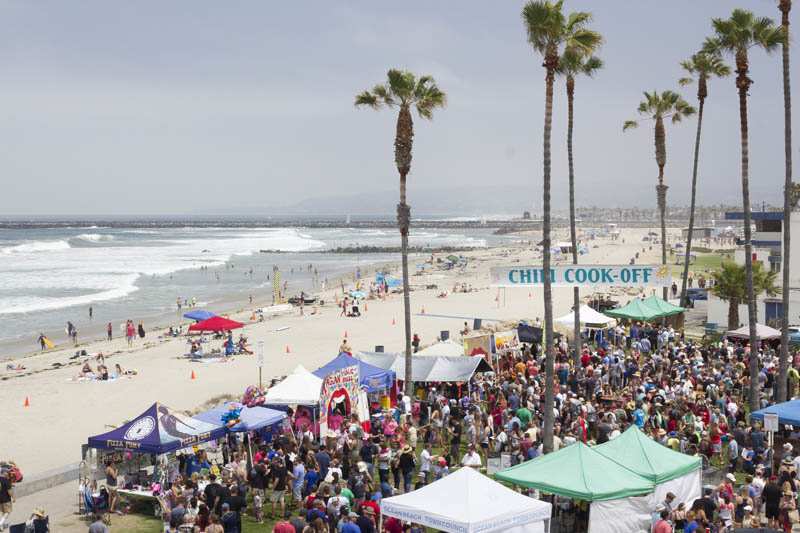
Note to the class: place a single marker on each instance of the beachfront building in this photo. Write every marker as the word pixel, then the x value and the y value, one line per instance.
pixel 767 241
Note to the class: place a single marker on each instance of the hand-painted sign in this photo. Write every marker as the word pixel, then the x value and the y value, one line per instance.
pixel 582 275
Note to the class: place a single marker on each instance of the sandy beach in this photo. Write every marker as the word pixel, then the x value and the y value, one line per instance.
pixel 69 411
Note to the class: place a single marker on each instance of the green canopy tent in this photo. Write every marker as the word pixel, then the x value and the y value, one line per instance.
pixel 663 306
pixel 637 452
pixel 578 472
pixel 636 310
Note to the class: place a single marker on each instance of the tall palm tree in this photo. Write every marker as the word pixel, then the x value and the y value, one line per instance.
pixel 701 67
pixel 737 35
pixel 574 63
pixel 403 90
pixel 730 286
pixel 658 107
pixel 785 7
pixel 549 30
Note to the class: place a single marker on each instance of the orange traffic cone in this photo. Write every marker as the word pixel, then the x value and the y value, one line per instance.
pixel 287 349
pixel 530 295
pixel 365 306
pixel 393 322
pixel 345 334
pixel 423 311
pixel 194 376
pixel 27 402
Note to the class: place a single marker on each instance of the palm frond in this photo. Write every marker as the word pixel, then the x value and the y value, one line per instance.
pixel 401 84
pixel 368 99
pixel 591 66
pixel 629 124
pixel 544 23
pixel 683 82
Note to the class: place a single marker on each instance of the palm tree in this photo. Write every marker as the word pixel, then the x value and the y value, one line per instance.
pixel 737 35
pixel 404 90
pixel 548 31
pixel 701 67
pixel 785 7
pixel 574 63
pixel 729 285
pixel 658 107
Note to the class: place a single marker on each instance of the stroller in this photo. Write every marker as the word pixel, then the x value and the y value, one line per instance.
pixel 89 503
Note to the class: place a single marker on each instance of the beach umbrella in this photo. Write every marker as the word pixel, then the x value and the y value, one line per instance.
pixel 216 323
pixel 199 314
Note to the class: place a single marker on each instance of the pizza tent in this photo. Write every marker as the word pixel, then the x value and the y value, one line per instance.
pixel 158 430
pixel 373 378
pixel 466 501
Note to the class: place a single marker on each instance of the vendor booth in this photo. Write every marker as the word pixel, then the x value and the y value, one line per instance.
pixel 590 319
pixel 245 418
pixel 466 501
pixel 426 369
pixel 788 413
pixel 301 387
pixel 374 379
pixel 671 471
pixel 763 333
pixel 448 347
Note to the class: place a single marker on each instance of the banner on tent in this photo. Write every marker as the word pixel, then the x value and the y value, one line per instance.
pixel 340 387
pixel 583 275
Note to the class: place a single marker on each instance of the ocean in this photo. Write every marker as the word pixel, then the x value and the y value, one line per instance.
pixel 54 273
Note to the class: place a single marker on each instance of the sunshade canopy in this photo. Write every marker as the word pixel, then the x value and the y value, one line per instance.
pixel 466 501
pixel 158 430
pixel 663 306
pixel 199 314
pixel 429 368
pixel 589 317
pixel 448 347
pixel 636 309
pixel 250 418
pixel 578 472
pixel 216 323
pixel 764 333
pixel 788 412
pixel 641 454
pixel 301 387
pixel 372 377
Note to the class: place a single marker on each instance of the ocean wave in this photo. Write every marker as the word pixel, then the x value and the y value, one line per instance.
pixel 35 246
pixel 33 304
pixel 94 237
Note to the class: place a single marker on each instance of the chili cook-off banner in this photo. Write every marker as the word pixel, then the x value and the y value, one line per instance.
pixel 583 275
pixel 340 386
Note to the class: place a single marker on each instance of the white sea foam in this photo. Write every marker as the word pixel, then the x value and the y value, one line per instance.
pixel 34 247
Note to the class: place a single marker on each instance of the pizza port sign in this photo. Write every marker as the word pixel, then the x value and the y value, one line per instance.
pixel 576 276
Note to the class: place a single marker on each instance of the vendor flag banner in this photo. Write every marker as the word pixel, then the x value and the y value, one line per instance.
pixel 584 275
pixel 340 393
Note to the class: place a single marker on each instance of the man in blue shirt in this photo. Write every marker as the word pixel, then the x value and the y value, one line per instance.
pixel 323 460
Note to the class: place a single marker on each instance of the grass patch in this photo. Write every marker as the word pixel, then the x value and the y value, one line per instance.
pixel 704 262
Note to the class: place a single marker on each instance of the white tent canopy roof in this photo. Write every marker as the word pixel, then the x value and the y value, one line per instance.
pixel 425 368
pixel 448 347
pixel 588 316
pixel 301 387
pixel 467 501
pixel 763 333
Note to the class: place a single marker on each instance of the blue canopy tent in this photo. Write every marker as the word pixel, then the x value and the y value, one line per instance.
pixel 158 430
pixel 199 314
pixel 371 377
pixel 250 418
pixel 788 412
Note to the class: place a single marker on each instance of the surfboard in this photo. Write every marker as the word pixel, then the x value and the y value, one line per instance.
pixel 49 343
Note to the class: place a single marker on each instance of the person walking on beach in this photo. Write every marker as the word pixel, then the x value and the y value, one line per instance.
pixel 141 330
pixel 130 332
pixel 74 335
pixel 110 331
pixel 42 342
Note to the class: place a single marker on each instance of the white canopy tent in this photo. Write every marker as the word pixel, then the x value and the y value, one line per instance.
pixel 589 318
pixel 764 333
pixel 427 368
pixel 448 347
pixel 301 387
pixel 466 501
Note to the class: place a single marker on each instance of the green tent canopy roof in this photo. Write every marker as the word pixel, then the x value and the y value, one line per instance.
pixel 636 309
pixel 578 472
pixel 663 306
pixel 641 454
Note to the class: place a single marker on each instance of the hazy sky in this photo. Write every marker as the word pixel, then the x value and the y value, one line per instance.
pixel 185 106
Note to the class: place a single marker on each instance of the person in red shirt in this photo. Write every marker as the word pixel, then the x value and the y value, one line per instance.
pixel 662 525
pixel 393 525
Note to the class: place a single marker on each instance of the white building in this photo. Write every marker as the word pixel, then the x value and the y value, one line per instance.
pixel 767 241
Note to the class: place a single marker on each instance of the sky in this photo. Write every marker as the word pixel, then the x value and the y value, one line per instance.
pixel 194 106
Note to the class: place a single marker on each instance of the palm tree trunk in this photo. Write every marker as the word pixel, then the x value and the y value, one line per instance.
pixel 743 84
pixel 576 293
pixel 551 62
pixel 403 143
pixel 785 7
pixel 733 314
pixel 661 188
pixel 687 257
